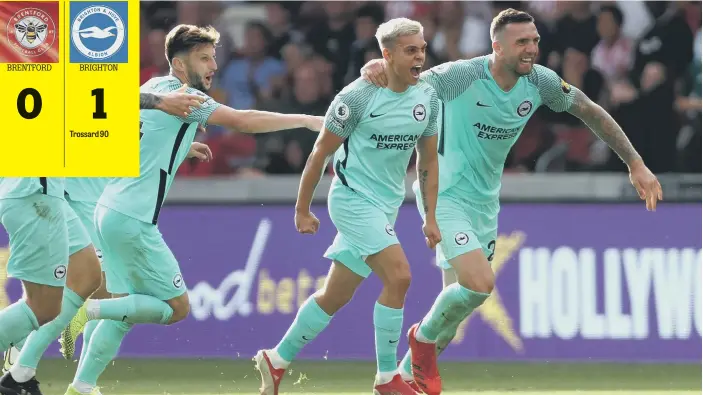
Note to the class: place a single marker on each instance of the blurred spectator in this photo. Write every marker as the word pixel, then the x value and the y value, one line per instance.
pixel 648 118
pixel 689 105
pixel 368 18
pixel 613 54
pixel 576 29
pixel 669 41
pixel 429 32
pixel 475 36
pixel 446 41
pixel 248 78
pixel 333 37
pixel 279 152
pixel 633 57
pixel 637 18
pixel 278 20
pixel 158 64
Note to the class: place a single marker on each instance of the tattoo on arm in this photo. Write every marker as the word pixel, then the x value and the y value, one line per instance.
pixel 148 101
pixel 422 178
pixel 604 126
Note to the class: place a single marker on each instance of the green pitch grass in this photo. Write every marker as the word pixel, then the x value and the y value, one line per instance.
pixel 209 377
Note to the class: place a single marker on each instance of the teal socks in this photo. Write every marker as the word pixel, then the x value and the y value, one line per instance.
pixel 388 323
pixel 308 323
pixel 452 303
pixel 88 331
pixel 443 340
pixel 39 341
pixel 16 322
pixel 20 343
pixel 133 309
pixel 102 348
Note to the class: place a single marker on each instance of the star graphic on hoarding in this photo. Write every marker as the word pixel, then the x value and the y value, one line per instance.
pixel 4 257
pixel 493 311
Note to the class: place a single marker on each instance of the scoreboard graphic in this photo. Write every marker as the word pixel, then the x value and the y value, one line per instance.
pixel 69 72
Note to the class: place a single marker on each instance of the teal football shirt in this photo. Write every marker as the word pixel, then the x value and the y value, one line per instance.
pixel 19 187
pixel 164 143
pixel 381 129
pixel 481 122
pixel 85 189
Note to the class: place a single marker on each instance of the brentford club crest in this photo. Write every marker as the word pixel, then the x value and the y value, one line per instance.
pixel 31 32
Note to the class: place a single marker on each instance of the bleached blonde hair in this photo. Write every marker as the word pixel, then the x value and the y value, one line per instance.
pixel 388 32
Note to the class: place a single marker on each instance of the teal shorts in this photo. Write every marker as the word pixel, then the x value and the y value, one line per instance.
pixel 38 233
pixel 139 260
pixel 78 237
pixel 85 212
pixel 362 229
pixel 464 226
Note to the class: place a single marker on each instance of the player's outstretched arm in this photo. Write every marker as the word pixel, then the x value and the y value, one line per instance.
pixel 325 146
pixel 177 103
pixel 252 121
pixel 428 179
pixel 604 126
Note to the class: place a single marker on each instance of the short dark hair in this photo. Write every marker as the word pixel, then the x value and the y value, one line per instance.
pixel 506 17
pixel 615 11
pixel 184 38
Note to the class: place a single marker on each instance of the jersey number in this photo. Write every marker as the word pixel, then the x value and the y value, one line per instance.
pixel 492 247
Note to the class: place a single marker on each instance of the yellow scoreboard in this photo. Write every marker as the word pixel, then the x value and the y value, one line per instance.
pixel 69 80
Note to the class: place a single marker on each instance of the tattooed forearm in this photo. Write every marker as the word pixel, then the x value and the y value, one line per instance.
pixel 604 126
pixel 148 101
pixel 422 178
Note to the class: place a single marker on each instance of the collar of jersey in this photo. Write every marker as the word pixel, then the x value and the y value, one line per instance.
pixel 493 84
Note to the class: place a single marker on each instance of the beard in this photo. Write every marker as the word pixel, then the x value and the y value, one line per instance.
pixel 195 81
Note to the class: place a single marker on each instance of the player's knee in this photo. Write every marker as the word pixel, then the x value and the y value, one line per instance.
pixel 45 311
pixel 479 280
pixel 399 277
pixel 44 301
pixel 181 309
pixel 84 272
pixel 331 301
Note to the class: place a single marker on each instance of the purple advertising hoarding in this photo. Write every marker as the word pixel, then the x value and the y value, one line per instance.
pixel 574 282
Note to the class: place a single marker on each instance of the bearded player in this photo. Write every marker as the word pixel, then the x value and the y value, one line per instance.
pixel 487 102
pixel 143 271
pixel 81 194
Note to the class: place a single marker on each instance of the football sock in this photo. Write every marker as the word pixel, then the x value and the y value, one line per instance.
pixel 102 349
pixel 308 323
pixel 453 302
pixel 16 322
pixel 133 309
pixel 39 340
pixel 388 323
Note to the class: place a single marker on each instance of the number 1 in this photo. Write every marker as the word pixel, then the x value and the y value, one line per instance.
pixel 99 94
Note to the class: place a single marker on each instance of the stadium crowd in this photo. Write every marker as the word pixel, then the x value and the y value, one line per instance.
pixel 639 60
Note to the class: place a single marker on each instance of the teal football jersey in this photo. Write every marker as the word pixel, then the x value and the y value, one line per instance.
pixel 18 187
pixel 381 129
pixel 85 189
pixel 481 122
pixel 164 143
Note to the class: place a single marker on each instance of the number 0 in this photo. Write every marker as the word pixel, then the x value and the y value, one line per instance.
pixel 22 103
pixel 99 94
